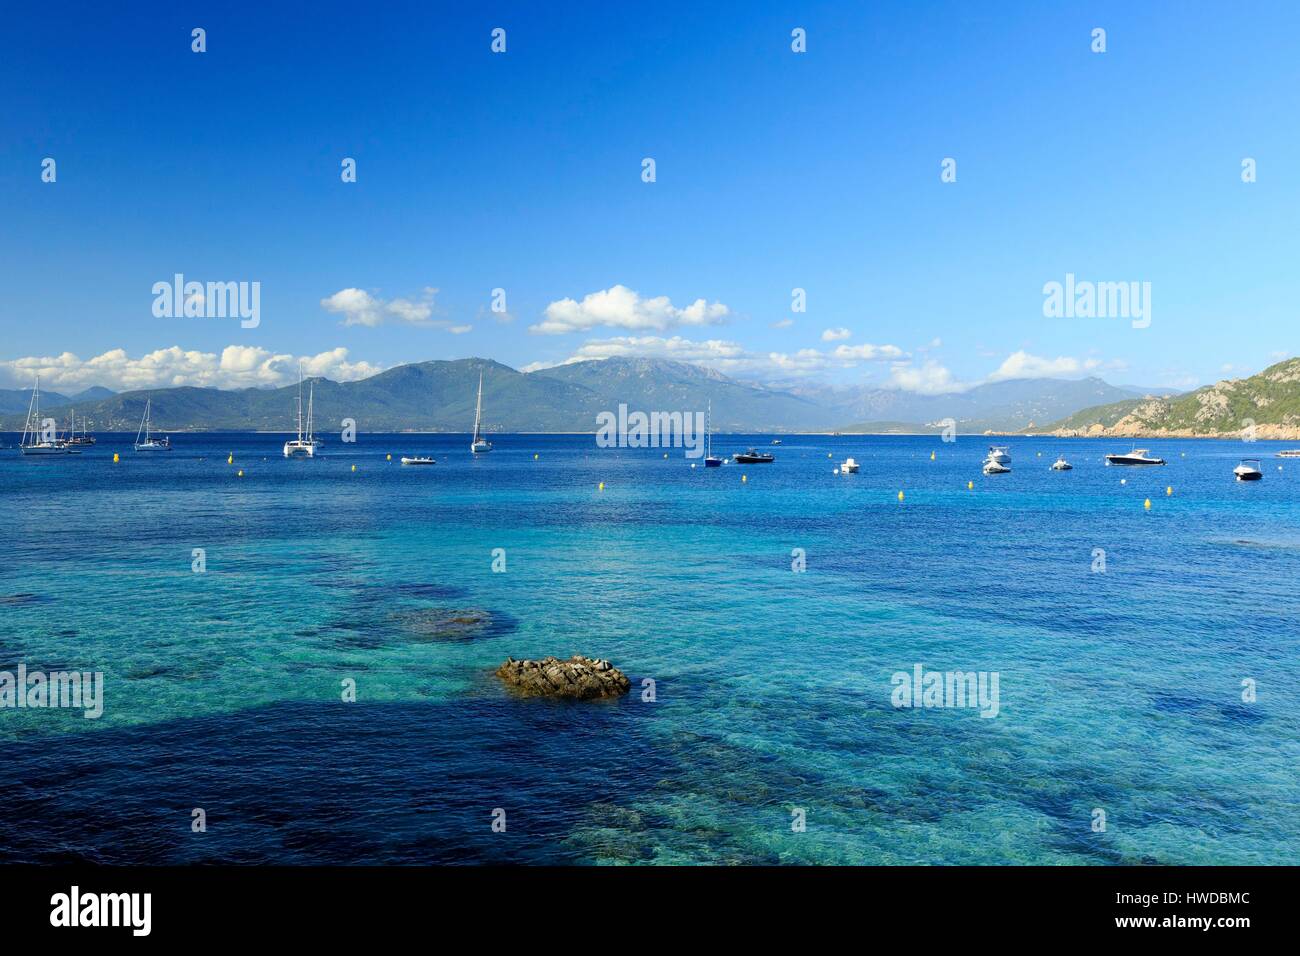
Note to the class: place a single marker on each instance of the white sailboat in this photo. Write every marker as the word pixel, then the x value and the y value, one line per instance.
pixel 33 442
pixel 146 429
pixel 305 445
pixel 710 460
pixel 479 445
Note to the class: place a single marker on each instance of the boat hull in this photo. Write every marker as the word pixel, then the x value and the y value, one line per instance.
pixel 42 451
pixel 1250 476
pixel 294 450
pixel 1126 460
pixel 753 460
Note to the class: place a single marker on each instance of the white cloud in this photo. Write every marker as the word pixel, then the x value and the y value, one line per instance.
pixel 237 366
pixel 835 335
pixel 460 329
pixel 1023 365
pixel 782 323
pixel 930 378
pixel 727 356
pixel 621 307
pixel 359 307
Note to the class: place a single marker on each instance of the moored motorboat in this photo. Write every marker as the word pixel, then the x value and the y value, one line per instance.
pixel 752 457
pixel 417 460
pixel 1061 464
pixel 1289 453
pixel 849 467
pixel 999 454
pixel 1248 470
pixel 992 467
pixel 1138 456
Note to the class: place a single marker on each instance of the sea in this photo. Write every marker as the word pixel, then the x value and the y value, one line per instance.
pixel 298 656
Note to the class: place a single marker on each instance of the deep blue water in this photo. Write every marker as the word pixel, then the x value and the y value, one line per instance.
pixel 1119 690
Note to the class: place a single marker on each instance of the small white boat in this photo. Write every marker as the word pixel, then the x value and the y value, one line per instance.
pixel 849 467
pixel 711 460
pixel 1248 470
pixel 1138 456
pixel 1289 453
pixel 992 467
pixel 306 444
pixel 33 441
pixel 146 426
pixel 998 453
pixel 417 460
pixel 479 445
pixel 1061 464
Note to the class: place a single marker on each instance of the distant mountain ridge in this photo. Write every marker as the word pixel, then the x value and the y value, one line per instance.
pixel 438 396
pixel 14 400
pixel 1265 405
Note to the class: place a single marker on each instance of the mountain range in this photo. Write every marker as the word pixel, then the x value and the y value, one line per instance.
pixel 439 396
pixel 1266 405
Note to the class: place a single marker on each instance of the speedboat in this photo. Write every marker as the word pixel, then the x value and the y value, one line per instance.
pixel 1248 470
pixel 752 457
pixel 849 467
pixel 1289 453
pixel 1138 456
pixel 992 467
pixel 776 441
pixel 1061 464
pixel 417 460
pixel 999 454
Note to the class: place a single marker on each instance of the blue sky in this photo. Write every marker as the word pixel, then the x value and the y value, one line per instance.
pixel 775 170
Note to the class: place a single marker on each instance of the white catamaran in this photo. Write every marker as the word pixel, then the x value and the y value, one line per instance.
pixel 305 445
pixel 480 444
pixel 36 440
pixel 146 429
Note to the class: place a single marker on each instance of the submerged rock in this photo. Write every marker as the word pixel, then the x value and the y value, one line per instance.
pixel 578 678
pixel 444 624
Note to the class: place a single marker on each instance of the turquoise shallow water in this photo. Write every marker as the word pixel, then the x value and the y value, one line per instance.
pixel 1118 690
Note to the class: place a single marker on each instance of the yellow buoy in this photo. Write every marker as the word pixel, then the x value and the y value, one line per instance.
pixel 1169 490
pixel 830 454
pixel 744 477
pixel 115 458
pixel 932 456
pixel 534 457
pixel 1040 454
pixel 231 459
pixel 900 496
pixel 665 454
pixel 601 486
pixel 241 473
pixel 390 458
pixel 1147 504
pixel 970 485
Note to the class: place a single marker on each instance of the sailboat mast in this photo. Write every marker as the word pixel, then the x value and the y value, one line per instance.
pixel 33 405
pixel 300 404
pixel 311 402
pixel 709 427
pixel 478 408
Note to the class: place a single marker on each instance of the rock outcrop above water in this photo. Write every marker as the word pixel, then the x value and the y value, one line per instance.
pixel 578 678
